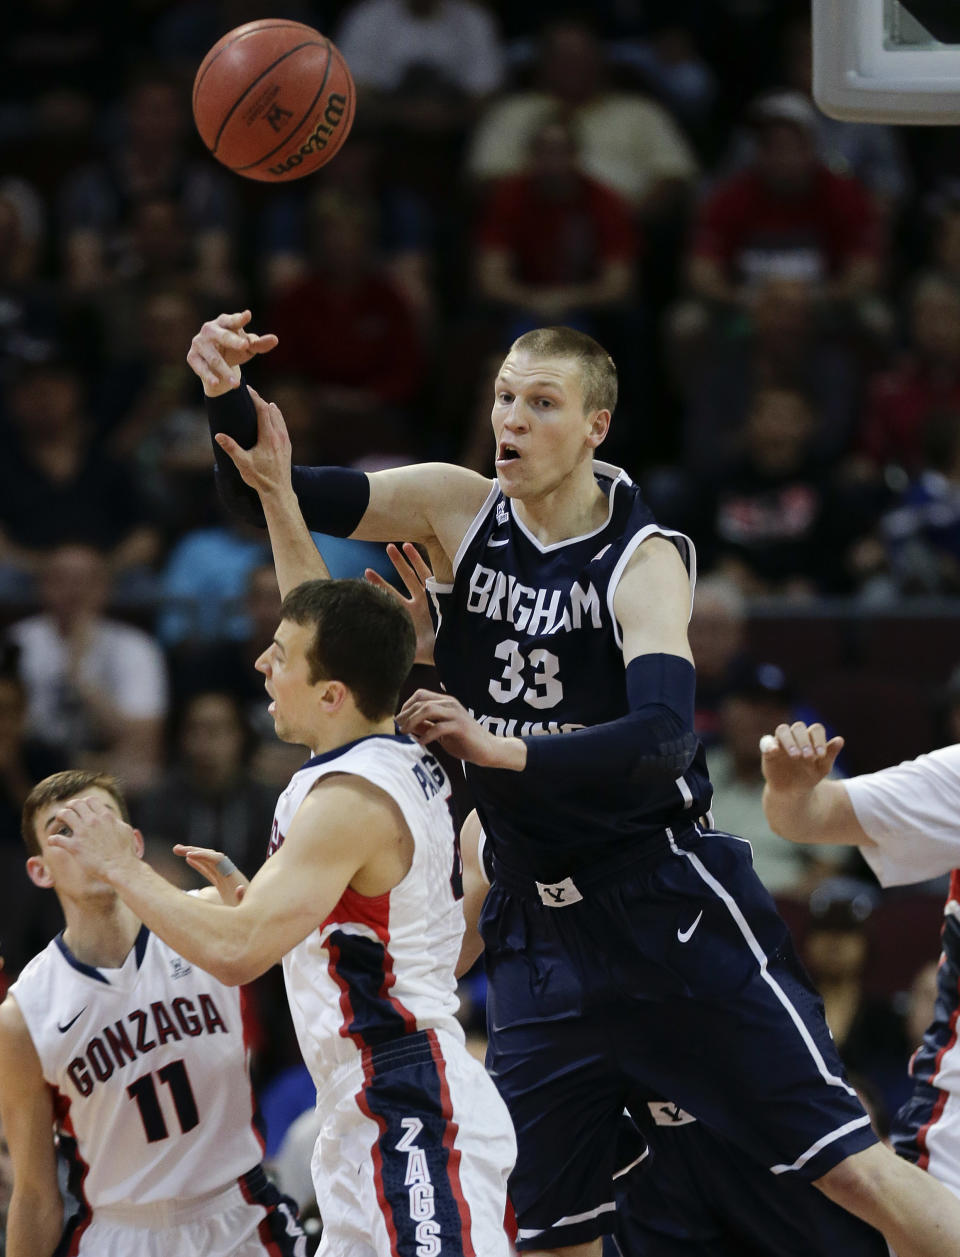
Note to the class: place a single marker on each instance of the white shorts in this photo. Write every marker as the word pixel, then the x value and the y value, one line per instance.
pixel 230 1222
pixel 413 1155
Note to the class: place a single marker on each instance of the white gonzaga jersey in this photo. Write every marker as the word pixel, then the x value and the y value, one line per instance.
pixel 912 813
pixel 380 967
pixel 148 1066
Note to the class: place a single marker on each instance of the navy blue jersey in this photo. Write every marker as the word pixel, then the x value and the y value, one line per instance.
pixel 528 642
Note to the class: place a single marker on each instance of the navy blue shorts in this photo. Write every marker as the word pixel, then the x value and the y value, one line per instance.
pixel 670 974
pixel 692 1193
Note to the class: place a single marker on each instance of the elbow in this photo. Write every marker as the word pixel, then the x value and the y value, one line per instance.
pixel 228 962
pixel 233 970
pixel 666 762
pixel 238 962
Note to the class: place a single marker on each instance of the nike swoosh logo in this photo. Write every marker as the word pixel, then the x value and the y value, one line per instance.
pixel 491 544
pixel 64 1029
pixel 685 935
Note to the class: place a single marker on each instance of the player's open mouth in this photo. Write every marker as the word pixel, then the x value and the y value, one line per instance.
pixel 507 453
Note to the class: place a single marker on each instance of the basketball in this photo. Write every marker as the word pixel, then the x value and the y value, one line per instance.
pixel 273 100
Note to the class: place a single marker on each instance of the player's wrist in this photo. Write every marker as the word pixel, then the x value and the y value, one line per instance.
pixel 508 753
pixel 221 388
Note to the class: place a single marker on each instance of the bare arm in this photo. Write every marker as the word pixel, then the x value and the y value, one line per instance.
pixel 652 602
pixel 343 824
pixel 475 887
pixel 800 801
pixel 266 468
pixel 432 503
pixel 35 1215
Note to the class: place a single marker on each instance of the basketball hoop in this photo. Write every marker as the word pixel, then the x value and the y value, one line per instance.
pixel 887 60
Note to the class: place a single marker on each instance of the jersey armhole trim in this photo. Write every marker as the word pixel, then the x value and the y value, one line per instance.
pixel 679 539
pixel 473 528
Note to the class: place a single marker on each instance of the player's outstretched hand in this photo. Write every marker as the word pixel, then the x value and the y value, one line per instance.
pixel 220 349
pixel 432 717
pixel 413 570
pixel 795 757
pixel 95 836
pixel 266 467
pixel 219 870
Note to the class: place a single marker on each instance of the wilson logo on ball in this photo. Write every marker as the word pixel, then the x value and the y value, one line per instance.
pixel 320 137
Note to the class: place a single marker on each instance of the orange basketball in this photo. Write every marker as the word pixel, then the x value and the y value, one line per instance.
pixel 273 100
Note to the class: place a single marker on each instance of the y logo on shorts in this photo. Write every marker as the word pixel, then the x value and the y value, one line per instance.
pixel 417 1180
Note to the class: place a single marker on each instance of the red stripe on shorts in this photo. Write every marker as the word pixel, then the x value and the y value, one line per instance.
pixel 453 1154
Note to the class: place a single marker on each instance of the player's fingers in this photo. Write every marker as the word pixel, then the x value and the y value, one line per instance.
pixel 207 360
pixel 240 891
pixel 278 426
pixel 239 318
pixel 236 452
pixel 420 696
pixel 420 729
pixel 424 702
pixel 769 745
pixel 784 735
pixel 417 561
pixel 801 735
pixel 404 571
pixel 818 739
pixel 375 578
pixel 199 853
pixel 263 344
pixel 413 714
pixel 832 750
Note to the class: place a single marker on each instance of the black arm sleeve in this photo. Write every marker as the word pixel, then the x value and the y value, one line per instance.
pixel 653 743
pixel 234 414
pixel 333 499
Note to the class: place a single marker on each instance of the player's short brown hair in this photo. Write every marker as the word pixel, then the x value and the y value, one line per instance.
pixel 597 368
pixel 362 636
pixel 59 787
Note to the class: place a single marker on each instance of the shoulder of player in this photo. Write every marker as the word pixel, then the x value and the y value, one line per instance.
pixel 655 559
pixel 344 809
pixel 652 599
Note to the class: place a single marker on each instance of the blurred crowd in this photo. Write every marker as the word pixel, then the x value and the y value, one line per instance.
pixel 780 290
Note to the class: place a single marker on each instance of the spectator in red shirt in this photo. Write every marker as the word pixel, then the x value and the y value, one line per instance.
pixel 780 523
pixel 555 246
pixel 788 215
pixel 346 330
pixel 925 381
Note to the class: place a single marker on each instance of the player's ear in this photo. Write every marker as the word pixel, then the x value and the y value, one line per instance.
pixel 138 844
pixel 599 427
pixel 38 873
pixel 332 695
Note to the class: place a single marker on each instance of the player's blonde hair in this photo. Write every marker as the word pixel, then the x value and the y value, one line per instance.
pixel 598 371
pixel 59 787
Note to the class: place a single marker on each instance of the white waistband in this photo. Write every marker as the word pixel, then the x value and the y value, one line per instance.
pixel 164 1213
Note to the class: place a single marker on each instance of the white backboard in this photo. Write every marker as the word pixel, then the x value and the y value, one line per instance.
pixel 887 60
